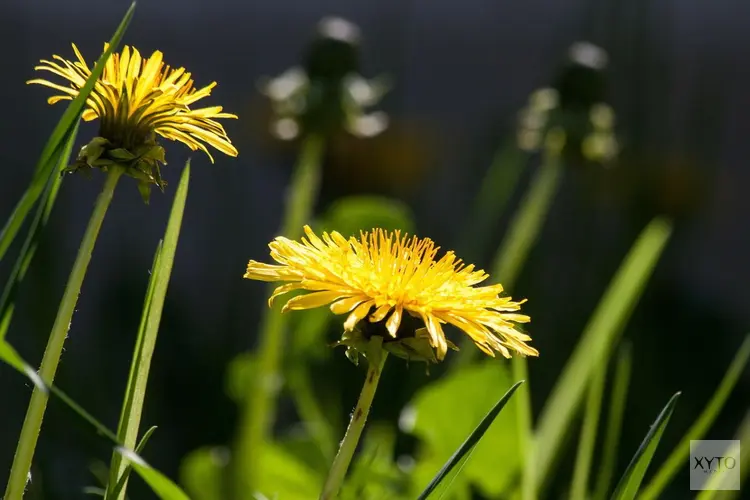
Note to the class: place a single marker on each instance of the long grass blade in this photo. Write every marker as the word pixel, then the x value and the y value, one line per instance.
pixel 680 454
pixel 587 441
pixel 128 468
pixel 596 343
pixel 715 484
pixel 149 329
pixel 28 249
pixel 464 451
pixel 159 483
pixel 62 131
pixel 619 393
pixel 628 486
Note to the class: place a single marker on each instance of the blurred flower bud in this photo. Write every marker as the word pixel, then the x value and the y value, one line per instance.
pixel 574 106
pixel 327 94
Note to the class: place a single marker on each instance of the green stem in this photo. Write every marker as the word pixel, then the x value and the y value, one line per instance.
pixel 311 412
pixel 35 414
pixel 525 227
pixel 618 397
pixel 523 428
pixel 582 470
pixel 376 359
pixel 259 410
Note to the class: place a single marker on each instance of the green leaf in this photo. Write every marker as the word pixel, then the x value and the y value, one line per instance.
pixel 702 425
pixel 135 393
pixel 28 249
pixel 202 473
pixel 353 214
pixel 628 486
pixel 677 459
pixel 619 392
pixel 441 432
pixel 159 483
pixel 62 131
pixel 463 453
pixel 126 473
pixel 713 486
pixel 282 475
pixel 595 345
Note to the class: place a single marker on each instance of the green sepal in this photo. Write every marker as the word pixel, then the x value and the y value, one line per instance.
pixel 416 348
pixel 142 163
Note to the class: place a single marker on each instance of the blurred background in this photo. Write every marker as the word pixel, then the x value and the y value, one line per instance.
pixel 677 79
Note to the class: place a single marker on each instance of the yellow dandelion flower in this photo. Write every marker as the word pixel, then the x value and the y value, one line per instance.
pixel 384 275
pixel 136 98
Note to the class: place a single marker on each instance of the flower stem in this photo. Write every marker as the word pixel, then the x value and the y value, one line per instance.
pixel 259 408
pixel 376 357
pixel 35 414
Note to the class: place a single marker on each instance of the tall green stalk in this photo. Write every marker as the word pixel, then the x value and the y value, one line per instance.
pixel 35 414
pixel 135 392
pixel 509 260
pixel 259 409
pixel 376 357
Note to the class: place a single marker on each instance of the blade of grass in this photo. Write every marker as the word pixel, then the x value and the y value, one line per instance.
pixel 135 394
pixel 614 422
pixel 48 158
pixel 628 486
pixel 463 453
pixel 258 412
pixel 128 468
pixel 32 423
pixel 677 459
pixel 582 469
pixel 28 249
pixel 713 485
pixel 123 430
pixel 508 262
pixel 160 484
pixel 602 331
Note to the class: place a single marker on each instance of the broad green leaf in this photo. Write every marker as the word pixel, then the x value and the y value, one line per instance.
pixel 441 432
pixel 135 393
pixel 55 144
pixel 631 480
pixel 282 475
pixel 353 214
pixel 680 454
pixel 619 393
pixel 595 345
pixel 463 453
pixel 202 473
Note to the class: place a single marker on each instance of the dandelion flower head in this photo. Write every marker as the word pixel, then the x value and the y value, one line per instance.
pixel 382 275
pixel 136 97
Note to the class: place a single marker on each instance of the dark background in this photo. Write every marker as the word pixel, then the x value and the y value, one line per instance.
pixel 678 77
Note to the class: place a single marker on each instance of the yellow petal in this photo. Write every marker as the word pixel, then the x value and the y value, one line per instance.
pixel 310 301
pixel 394 321
pixel 357 315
